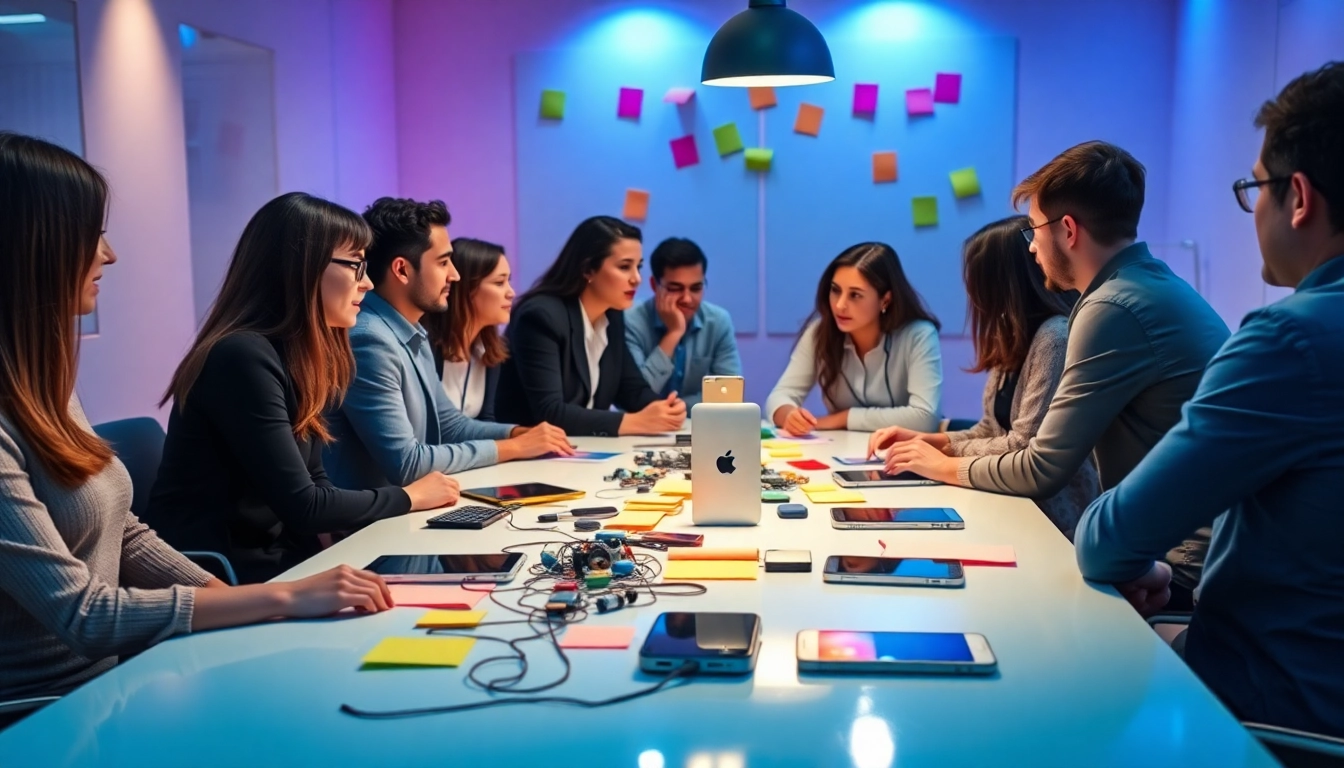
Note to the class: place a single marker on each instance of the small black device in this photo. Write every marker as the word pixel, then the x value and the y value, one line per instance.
pixel 788 561
pixel 792 512
pixel 473 517
pixel 587 524
pixel 719 643
pixel 591 512
pixel 895 518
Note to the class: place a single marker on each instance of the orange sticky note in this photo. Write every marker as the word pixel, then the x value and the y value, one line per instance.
pixel 635 520
pixel 809 119
pixel 583 636
pixel 762 98
pixel 721 553
pixel 884 167
pixel 636 205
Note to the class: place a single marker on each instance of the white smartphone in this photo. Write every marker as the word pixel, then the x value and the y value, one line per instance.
pixel 894 571
pixel 946 653
pixel 895 518
pixel 722 389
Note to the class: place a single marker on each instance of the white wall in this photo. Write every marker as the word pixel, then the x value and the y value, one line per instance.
pixel 332 69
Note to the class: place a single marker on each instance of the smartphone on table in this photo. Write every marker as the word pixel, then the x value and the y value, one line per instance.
pixel 894 571
pixel 718 643
pixel 945 653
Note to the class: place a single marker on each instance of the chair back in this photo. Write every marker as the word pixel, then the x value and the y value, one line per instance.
pixel 139 444
pixel 1299 749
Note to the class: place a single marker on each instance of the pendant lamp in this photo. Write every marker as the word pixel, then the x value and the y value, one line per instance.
pixel 767 45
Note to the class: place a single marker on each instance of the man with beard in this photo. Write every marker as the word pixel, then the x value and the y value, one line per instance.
pixel 1139 339
pixel 396 424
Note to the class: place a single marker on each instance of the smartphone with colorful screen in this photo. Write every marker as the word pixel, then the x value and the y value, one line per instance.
pixel 946 653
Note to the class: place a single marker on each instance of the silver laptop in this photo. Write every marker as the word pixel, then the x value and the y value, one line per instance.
pixel 726 464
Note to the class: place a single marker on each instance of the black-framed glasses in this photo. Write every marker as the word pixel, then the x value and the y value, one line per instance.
pixel 1029 233
pixel 361 266
pixel 1247 190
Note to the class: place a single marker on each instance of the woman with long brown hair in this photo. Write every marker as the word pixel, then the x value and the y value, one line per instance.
pixel 870 345
pixel 83 580
pixel 468 347
pixel 242 466
pixel 1020 329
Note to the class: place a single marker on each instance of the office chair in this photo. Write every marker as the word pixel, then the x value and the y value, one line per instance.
pixel 1299 749
pixel 138 443
pixel 15 710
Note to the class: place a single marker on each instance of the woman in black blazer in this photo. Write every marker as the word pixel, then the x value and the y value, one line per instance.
pixel 569 363
pixel 242 465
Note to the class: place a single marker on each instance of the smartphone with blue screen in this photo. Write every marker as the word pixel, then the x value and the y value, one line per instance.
pixel 894 571
pixel 948 653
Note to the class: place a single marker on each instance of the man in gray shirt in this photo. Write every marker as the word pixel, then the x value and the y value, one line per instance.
pixel 1139 339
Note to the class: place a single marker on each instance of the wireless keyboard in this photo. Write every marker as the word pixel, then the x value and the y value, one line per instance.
pixel 469 517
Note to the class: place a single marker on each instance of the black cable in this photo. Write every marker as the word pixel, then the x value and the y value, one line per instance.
pixel 682 672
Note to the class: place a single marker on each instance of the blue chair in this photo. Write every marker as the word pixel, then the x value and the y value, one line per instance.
pixel 139 444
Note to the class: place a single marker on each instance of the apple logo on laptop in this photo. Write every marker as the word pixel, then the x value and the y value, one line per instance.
pixel 725 464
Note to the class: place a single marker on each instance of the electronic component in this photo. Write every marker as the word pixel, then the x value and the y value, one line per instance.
pixel 788 561
pixel 587 524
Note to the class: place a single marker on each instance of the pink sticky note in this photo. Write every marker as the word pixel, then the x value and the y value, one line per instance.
pixel 919 101
pixel 678 95
pixel 684 152
pixel 447 596
pixel 632 99
pixel 865 98
pixel 582 636
pixel 947 88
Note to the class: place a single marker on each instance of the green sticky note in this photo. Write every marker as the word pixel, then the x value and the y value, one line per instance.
pixel 759 159
pixel 965 183
pixel 553 105
pixel 727 139
pixel 926 211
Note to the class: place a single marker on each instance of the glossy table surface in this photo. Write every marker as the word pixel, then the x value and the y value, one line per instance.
pixel 1082 680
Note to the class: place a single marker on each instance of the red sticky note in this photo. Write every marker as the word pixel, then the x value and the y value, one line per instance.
pixel 919 101
pixel 582 636
pixel 865 98
pixel 632 99
pixel 447 596
pixel 808 464
pixel 947 88
pixel 684 152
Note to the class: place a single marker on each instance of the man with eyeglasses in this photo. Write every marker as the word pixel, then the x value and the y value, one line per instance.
pixel 677 337
pixel 1139 338
pixel 1260 450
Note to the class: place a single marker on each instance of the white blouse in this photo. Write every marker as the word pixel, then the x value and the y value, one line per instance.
pixel 594 343
pixel 465 382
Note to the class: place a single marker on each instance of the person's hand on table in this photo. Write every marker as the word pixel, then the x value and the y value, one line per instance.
pixel 335 590
pixel 541 440
pixel 1150 592
pixel 886 437
pixel 923 459
pixel 664 415
pixel 797 421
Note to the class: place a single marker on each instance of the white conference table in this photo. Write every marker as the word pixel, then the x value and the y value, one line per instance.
pixel 1082 680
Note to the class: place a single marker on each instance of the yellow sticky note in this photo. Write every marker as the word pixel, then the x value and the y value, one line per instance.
pixel 786 453
pixel 811 488
pixel 836 497
pixel 771 445
pixel 673 486
pixel 704 570
pixel 419 652
pixel 635 520
pixel 655 500
pixel 449 619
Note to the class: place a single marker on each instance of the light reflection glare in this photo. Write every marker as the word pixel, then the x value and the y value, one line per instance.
pixel 651 758
pixel 700 760
pixel 870 742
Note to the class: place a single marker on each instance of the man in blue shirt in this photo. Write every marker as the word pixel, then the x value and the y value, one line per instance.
pixel 1260 450
pixel 677 337
pixel 396 423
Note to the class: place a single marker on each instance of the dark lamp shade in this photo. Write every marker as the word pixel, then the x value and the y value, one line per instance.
pixel 767 45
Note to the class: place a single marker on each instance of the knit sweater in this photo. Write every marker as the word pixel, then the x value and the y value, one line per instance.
pixel 82 581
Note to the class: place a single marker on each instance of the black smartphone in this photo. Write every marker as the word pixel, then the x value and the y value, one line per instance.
pixel 719 643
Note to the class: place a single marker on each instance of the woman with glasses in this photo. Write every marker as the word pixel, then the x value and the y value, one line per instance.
pixel 242 467
pixel 467 345
pixel 84 581
pixel 1020 330
pixel 871 346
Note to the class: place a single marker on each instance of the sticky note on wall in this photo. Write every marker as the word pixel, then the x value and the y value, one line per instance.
pixel 965 183
pixel 865 98
pixel 925 210
pixel 727 139
pixel 919 101
pixel 553 105
pixel 636 205
pixel 678 96
pixel 762 98
pixel 884 167
pixel 759 159
pixel 947 88
pixel 630 103
pixel 684 152
pixel 808 121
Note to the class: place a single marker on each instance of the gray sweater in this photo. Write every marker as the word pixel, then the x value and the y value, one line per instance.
pixel 82 581
pixel 1036 384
